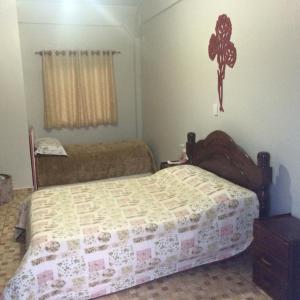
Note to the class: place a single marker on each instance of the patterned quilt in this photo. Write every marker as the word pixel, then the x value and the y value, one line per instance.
pixel 88 240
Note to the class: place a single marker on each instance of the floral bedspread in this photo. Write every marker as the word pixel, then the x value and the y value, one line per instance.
pixel 88 240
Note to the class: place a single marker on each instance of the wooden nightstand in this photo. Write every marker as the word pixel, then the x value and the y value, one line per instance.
pixel 165 164
pixel 276 249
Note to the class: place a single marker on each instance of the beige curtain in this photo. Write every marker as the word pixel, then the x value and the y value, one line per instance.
pixel 79 89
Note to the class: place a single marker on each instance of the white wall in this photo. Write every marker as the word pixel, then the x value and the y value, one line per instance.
pixel 67 25
pixel 14 153
pixel 261 93
pixel 151 9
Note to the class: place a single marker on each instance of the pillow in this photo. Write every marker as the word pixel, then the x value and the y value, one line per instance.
pixel 49 146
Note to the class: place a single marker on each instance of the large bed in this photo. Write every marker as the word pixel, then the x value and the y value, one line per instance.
pixel 88 240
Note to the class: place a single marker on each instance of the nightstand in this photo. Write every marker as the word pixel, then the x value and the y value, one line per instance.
pixel 165 164
pixel 276 250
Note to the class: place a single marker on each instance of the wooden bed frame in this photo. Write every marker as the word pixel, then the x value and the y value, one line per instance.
pixel 219 154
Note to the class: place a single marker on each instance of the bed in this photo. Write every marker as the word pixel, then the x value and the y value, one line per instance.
pixel 92 239
pixel 87 162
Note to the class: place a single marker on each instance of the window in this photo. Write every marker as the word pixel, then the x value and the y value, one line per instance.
pixel 79 89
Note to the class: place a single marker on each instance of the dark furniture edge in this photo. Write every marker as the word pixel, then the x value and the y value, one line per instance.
pixel 219 154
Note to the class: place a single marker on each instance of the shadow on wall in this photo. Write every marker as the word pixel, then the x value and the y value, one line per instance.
pixel 281 198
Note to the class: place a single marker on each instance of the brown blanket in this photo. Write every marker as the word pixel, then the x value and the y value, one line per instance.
pixel 95 161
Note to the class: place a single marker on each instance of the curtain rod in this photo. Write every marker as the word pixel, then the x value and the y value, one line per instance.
pixel 63 52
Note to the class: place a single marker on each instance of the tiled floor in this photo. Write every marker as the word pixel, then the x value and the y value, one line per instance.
pixel 230 279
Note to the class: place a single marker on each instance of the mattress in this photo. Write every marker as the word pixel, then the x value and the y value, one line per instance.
pixel 88 240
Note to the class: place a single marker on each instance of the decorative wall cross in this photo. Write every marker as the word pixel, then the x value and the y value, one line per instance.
pixel 221 46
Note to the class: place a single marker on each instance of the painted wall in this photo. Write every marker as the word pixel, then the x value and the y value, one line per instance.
pixel 261 93
pixel 151 9
pixel 14 154
pixel 67 25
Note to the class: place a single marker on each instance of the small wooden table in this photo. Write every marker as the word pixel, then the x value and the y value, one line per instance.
pixel 165 164
pixel 276 250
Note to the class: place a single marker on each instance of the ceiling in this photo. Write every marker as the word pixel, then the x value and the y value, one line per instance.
pixel 104 2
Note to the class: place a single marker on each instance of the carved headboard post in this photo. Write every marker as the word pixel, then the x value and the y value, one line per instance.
pixel 191 140
pixel 263 162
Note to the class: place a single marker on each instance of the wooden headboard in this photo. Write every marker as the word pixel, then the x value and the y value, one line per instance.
pixel 218 153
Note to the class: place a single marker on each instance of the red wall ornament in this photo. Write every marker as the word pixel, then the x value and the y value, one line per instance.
pixel 221 46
